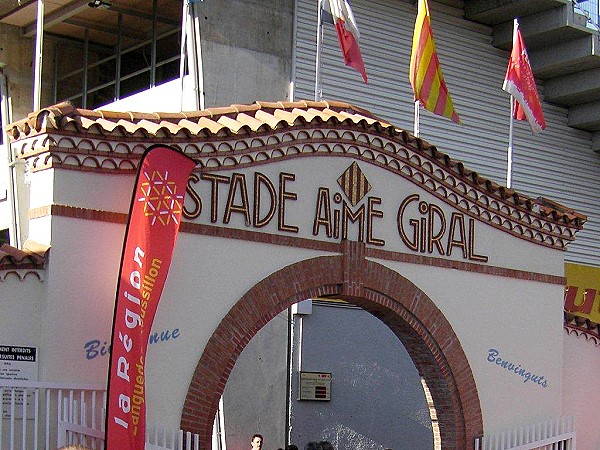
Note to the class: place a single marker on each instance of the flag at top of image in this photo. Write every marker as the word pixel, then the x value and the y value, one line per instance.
pixel 347 31
pixel 519 83
pixel 425 72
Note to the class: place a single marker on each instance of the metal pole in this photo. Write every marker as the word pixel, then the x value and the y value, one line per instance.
pixel 55 81
pixel 417 118
pixel 39 45
pixel 153 46
pixel 510 144
pixel 182 54
pixel 86 45
pixel 190 46
pixel 198 55
pixel 318 87
pixel 118 59
pixel 14 233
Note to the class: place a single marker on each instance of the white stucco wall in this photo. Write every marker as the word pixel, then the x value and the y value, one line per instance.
pixel 520 319
pixel 22 305
pixel 81 280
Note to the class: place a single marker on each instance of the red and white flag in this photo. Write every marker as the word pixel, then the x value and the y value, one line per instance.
pixel 154 218
pixel 519 82
pixel 348 35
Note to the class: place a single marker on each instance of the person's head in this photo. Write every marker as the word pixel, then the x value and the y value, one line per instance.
pixel 326 445
pixel 257 441
pixel 313 446
pixel 291 447
pixel 74 447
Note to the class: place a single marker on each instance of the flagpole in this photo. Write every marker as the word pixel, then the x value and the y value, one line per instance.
pixel 510 144
pixel 182 54
pixel 198 63
pixel 318 88
pixel 509 155
pixel 417 118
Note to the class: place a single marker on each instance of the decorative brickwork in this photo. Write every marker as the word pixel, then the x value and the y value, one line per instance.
pixel 30 261
pixel 580 326
pixel 407 311
pixel 242 136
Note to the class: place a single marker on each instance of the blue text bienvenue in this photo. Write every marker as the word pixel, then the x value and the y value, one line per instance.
pixel 515 368
pixel 95 347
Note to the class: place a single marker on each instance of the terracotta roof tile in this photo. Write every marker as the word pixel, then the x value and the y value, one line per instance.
pixel 89 124
pixel 234 125
pixel 251 121
pixel 128 126
pixel 152 127
pixel 558 211
pixel 288 116
pixel 581 325
pixel 273 121
pixel 221 111
pixel 213 126
pixel 173 128
pixel 32 256
pixel 114 115
pixel 308 114
pixel 193 127
pixel 245 108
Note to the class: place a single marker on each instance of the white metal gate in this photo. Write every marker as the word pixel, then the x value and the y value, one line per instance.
pixel 44 416
pixel 558 434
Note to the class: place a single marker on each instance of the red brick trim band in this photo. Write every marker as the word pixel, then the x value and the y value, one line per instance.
pixel 294 241
pixel 407 311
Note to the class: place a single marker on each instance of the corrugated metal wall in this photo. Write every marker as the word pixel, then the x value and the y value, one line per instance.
pixel 557 163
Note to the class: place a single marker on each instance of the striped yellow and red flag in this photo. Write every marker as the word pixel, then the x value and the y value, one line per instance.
pixel 425 72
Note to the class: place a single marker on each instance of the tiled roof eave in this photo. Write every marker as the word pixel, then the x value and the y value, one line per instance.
pixel 582 327
pixel 247 122
pixel 32 257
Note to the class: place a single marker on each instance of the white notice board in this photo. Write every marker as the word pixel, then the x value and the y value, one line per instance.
pixel 315 386
pixel 17 363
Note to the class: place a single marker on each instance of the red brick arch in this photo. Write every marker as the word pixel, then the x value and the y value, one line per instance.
pixel 404 308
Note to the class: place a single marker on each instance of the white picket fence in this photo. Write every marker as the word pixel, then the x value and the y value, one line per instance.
pixel 45 416
pixel 558 434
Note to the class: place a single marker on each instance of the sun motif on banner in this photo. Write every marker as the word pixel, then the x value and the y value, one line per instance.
pixel 162 202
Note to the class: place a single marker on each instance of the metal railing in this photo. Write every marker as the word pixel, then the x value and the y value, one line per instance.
pixel 557 434
pixel 45 416
pixel 591 9
pixel 33 413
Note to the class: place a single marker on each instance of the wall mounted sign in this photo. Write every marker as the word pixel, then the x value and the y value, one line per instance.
pixel 17 364
pixel 582 292
pixel 340 210
pixel 315 386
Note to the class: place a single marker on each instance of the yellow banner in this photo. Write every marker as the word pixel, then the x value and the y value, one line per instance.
pixel 582 292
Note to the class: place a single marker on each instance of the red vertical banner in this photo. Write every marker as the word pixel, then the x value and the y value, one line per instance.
pixel 154 218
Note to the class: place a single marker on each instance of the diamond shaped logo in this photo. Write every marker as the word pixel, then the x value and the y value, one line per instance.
pixel 354 183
